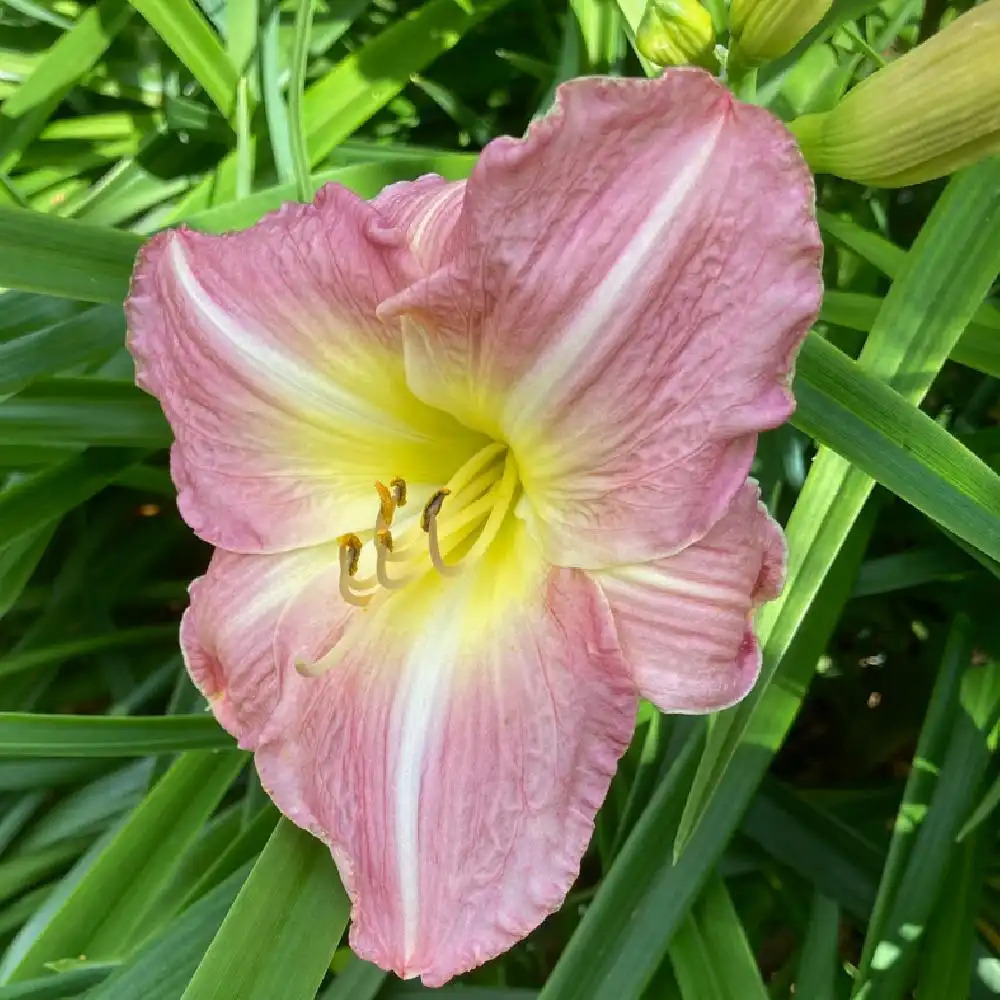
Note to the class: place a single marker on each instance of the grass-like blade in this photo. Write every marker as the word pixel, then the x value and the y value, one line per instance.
pixel 105 909
pixel 26 111
pixel 180 24
pixel 897 445
pixel 39 253
pixel 280 934
pixel 34 735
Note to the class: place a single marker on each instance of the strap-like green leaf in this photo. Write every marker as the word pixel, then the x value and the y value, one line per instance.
pixel 35 735
pixel 180 24
pixel 280 935
pixel 62 257
pixel 103 910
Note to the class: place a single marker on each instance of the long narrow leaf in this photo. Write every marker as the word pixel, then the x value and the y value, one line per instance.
pixel 64 257
pixel 33 735
pixel 181 26
pixel 26 111
pixel 281 933
pixel 879 432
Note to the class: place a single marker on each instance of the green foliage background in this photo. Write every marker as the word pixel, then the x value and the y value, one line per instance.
pixel 834 836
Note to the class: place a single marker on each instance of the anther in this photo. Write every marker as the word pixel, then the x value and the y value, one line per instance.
pixel 432 508
pixel 398 487
pixel 429 522
pixel 387 505
pixel 350 554
pixel 350 545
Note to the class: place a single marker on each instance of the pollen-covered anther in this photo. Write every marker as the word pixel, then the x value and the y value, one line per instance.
pixel 350 545
pixel 387 505
pixel 398 488
pixel 480 502
pixel 350 557
pixel 432 508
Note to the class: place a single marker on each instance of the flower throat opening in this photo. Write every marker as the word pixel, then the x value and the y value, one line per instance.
pixel 455 528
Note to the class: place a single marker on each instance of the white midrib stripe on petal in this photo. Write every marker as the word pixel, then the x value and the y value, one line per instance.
pixel 606 299
pixel 678 584
pixel 420 707
pixel 300 385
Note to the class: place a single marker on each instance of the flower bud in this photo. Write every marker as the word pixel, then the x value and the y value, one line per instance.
pixel 925 115
pixel 676 33
pixel 765 29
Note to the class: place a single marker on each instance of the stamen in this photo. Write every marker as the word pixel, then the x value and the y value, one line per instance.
pixel 432 508
pixel 465 507
pixel 351 545
pixel 434 546
pixel 350 554
pixel 398 487
pixel 383 546
pixel 467 472
pixel 501 505
pixel 387 505
pixel 481 499
pixel 464 517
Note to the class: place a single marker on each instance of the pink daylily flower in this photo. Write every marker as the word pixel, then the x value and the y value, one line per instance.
pixel 556 372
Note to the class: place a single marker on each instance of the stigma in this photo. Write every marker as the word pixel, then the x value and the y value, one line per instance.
pixel 452 530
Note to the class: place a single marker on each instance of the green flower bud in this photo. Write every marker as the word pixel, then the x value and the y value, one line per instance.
pixel 676 33
pixel 763 30
pixel 925 115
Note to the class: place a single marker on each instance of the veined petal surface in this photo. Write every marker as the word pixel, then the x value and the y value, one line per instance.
pixel 621 300
pixel 286 395
pixel 229 632
pixel 426 211
pixel 685 621
pixel 454 755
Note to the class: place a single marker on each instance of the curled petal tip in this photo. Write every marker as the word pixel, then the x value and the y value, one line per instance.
pixel 685 621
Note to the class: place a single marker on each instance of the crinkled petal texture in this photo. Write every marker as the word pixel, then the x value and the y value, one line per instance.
pixel 621 299
pixel 685 621
pixel 454 756
pixel 286 395
pixel 425 211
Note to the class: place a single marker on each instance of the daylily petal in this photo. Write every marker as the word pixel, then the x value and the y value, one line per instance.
pixel 229 633
pixel 622 300
pixel 454 764
pixel 286 395
pixel 685 622
pixel 426 211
